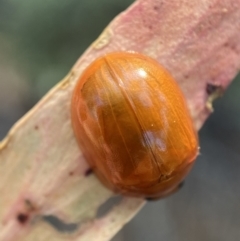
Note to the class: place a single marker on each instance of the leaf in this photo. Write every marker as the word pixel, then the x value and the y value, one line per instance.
pixel 43 175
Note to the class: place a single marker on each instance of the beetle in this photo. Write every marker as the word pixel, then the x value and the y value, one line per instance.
pixel 132 123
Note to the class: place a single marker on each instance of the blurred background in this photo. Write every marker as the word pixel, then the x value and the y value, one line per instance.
pixel 39 43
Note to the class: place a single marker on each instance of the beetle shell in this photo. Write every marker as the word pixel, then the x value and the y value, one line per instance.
pixel 132 124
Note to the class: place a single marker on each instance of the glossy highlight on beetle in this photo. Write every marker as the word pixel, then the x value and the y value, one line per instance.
pixel 133 126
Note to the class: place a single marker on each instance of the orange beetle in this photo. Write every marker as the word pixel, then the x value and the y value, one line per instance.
pixel 133 126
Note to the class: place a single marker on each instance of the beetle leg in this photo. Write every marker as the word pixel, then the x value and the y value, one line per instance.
pixel 180 185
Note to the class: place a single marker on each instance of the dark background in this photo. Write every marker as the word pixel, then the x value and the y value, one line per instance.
pixel 39 43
